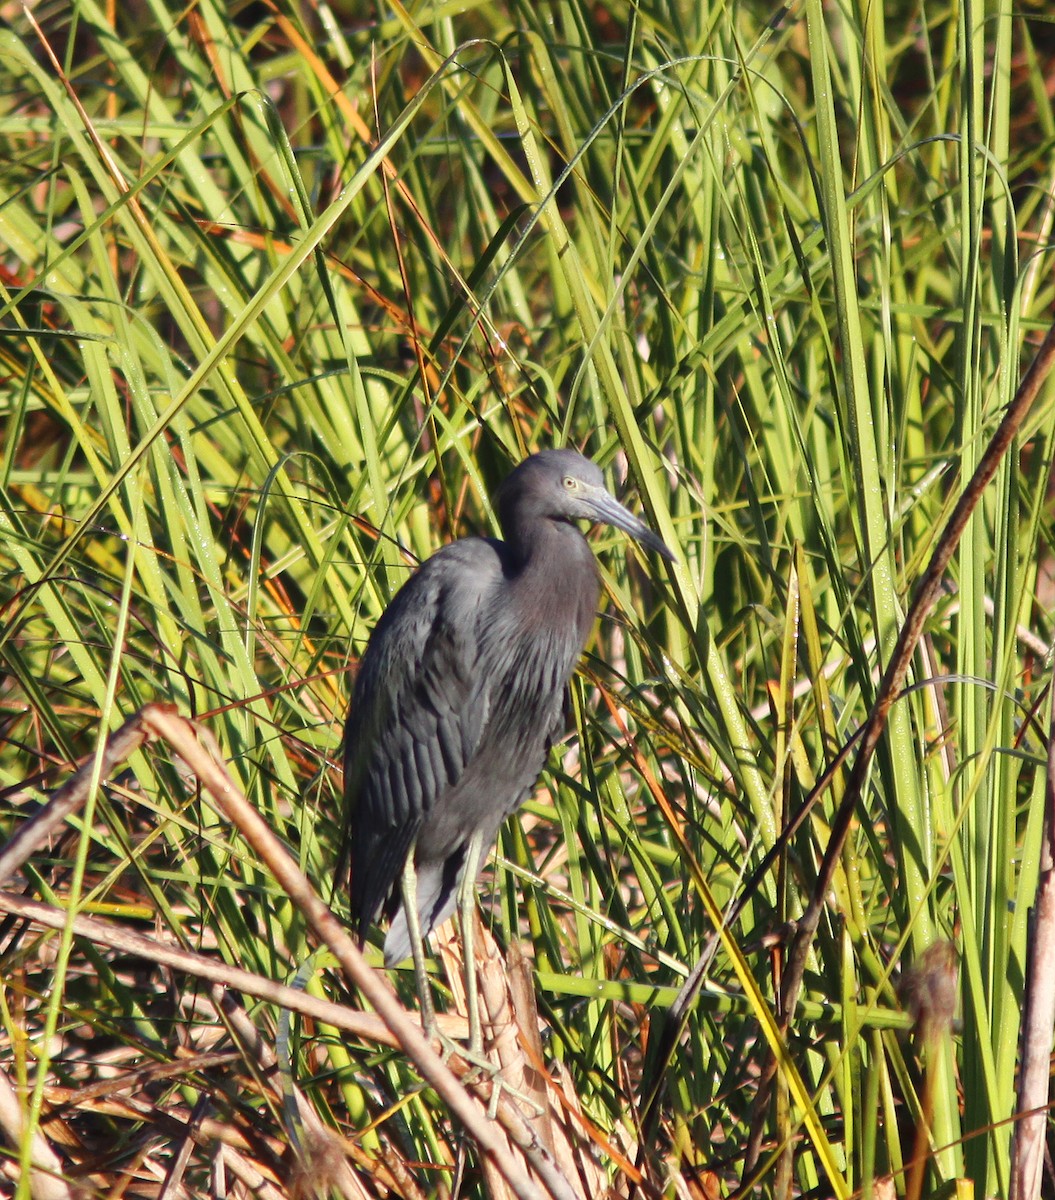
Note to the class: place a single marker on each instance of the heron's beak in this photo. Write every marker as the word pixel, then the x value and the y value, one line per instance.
pixel 607 509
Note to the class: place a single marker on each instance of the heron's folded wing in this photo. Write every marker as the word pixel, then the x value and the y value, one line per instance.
pixel 418 708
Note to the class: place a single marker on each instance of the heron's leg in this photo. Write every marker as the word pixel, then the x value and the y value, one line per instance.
pixel 466 912
pixel 409 889
pixel 474 1052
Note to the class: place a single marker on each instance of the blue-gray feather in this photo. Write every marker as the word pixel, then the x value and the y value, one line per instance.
pixel 460 692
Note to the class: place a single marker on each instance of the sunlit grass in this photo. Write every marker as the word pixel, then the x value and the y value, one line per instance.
pixel 283 294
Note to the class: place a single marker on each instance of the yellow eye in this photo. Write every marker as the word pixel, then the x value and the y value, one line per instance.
pixel 570 482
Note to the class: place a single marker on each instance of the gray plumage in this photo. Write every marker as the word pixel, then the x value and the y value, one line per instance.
pixel 460 691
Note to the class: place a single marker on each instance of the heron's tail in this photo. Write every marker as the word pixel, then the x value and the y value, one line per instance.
pixel 437 896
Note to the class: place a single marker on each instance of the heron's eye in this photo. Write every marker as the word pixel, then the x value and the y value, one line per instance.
pixel 570 483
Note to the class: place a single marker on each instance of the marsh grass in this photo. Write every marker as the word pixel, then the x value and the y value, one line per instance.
pixel 284 290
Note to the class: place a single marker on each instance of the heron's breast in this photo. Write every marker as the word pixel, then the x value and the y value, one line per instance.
pixel 529 662
pixel 527 654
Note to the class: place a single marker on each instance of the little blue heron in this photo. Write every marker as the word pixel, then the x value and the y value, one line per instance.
pixel 459 696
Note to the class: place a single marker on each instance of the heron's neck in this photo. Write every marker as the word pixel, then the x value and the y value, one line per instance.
pixel 555 567
pixel 545 545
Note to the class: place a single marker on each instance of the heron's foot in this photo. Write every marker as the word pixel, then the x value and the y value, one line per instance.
pixel 449 1048
pixel 486 1071
pixel 482 1069
pixel 478 1060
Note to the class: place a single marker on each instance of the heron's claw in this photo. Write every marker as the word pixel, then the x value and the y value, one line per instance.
pixel 481 1069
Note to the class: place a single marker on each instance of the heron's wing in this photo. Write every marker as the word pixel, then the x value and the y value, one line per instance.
pixel 418 708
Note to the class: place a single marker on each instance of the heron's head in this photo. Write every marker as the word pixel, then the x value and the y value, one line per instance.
pixel 561 485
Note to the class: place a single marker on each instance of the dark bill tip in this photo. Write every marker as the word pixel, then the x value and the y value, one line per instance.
pixel 611 512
